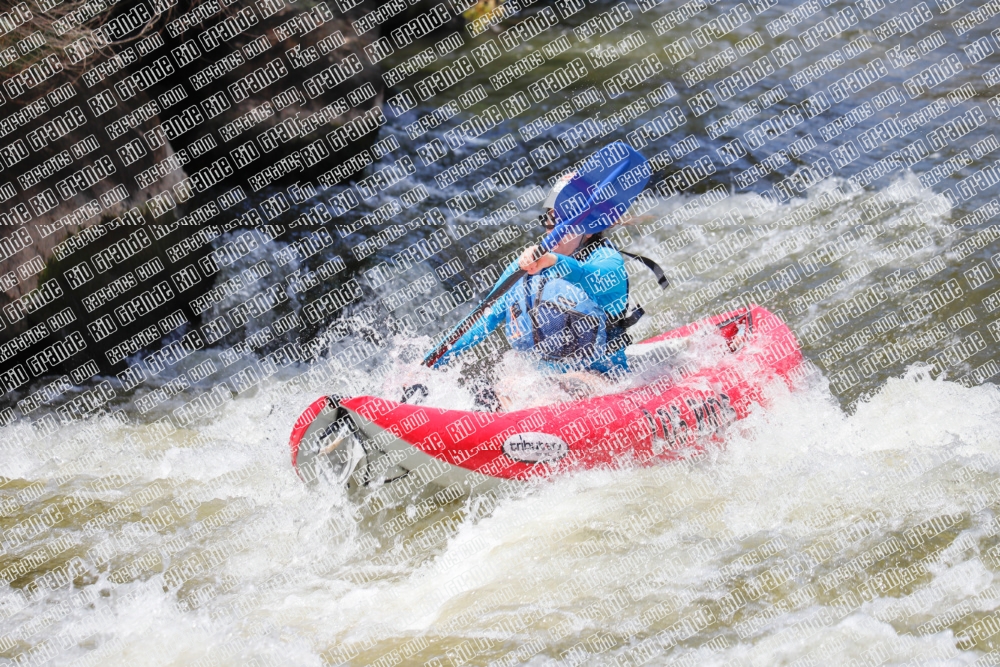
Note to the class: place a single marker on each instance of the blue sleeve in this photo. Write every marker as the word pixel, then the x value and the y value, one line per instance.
pixel 495 316
pixel 602 276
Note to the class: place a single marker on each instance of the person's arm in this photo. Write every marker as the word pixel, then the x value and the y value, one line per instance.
pixel 483 327
pixel 494 316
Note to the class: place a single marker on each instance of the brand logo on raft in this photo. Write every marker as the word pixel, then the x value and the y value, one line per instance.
pixel 535 448
pixel 711 415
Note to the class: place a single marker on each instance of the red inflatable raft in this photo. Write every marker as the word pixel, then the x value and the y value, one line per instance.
pixel 364 440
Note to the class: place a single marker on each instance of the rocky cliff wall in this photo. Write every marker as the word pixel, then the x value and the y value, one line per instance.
pixel 130 125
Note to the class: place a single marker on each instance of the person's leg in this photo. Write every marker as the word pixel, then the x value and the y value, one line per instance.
pixel 582 384
pixel 516 393
pixel 661 349
pixel 487 398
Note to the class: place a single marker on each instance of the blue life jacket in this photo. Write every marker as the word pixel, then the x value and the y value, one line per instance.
pixel 556 320
pixel 572 315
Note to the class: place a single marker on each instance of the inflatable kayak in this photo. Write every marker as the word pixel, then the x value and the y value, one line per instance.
pixel 366 441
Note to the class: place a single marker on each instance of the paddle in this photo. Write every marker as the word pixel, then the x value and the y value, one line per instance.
pixel 605 186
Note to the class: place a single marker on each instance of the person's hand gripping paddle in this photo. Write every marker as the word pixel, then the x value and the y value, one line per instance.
pixel 604 187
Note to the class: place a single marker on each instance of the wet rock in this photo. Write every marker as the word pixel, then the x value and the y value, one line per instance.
pixel 274 109
pixel 89 238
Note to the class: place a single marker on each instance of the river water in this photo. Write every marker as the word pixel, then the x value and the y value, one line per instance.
pixel 848 521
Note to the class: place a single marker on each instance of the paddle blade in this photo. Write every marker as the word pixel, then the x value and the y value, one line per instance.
pixel 603 188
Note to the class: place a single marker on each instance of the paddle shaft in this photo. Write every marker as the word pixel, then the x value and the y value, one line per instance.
pixel 474 317
pixel 551 240
pixel 478 313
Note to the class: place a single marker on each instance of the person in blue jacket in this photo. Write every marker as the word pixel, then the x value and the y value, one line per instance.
pixel 570 310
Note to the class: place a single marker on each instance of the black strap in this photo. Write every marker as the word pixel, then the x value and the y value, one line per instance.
pixel 623 321
pixel 532 304
pixel 661 278
pixel 632 318
pixel 597 241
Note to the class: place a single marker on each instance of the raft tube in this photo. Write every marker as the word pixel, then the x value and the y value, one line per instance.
pixel 366 441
